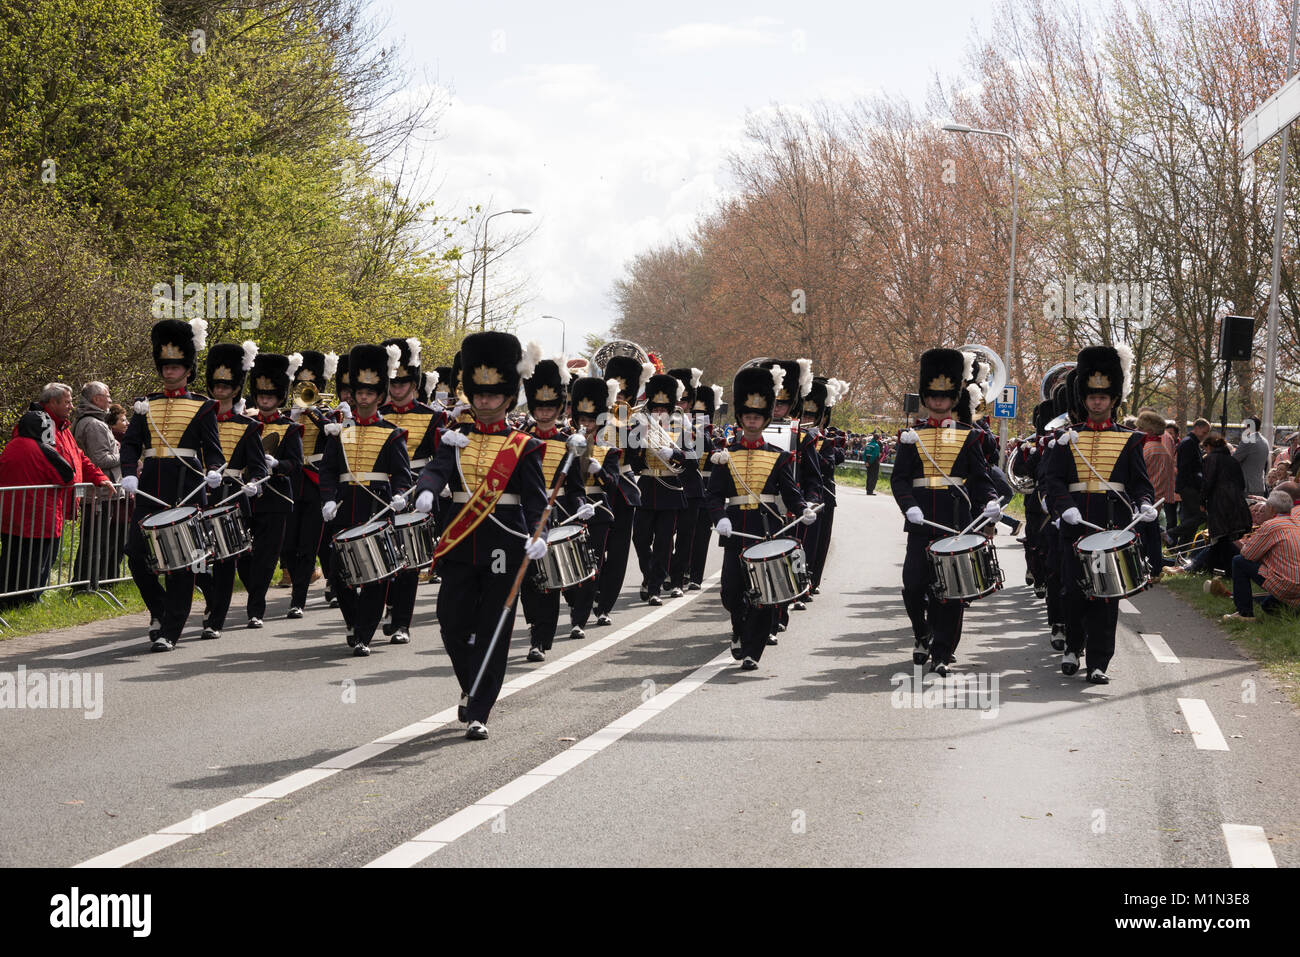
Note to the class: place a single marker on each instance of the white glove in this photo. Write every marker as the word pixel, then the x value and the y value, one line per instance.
pixel 141 407
pixel 424 502
pixel 272 461
pixel 723 527
pixel 535 549
pixel 333 428
pixel 398 502
pixel 455 439
pixel 252 491
pixel 663 454
pixel 329 510
pixel 720 458
pixel 594 467
pixel 130 484
pixel 213 478
pixel 908 437
pixel 344 410
pixel 1148 513
pixel 457 409
pixel 992 510
pixel 1072 516
pixel 585 511
pixel 808 516
pixel 915 515
pixel 1069 437
pixel 294 413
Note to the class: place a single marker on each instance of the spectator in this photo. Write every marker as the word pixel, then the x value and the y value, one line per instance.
pixel 31 519
pixel 1270 557
pixel 103 532
pixel 1225 506
pixel 1160 468
pixel 115 419
pixel 1292 489
pixel 1189 482
pixel 871 454
pixel 1253 454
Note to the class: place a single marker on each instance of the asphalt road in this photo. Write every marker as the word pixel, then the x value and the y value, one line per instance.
pixel 643 743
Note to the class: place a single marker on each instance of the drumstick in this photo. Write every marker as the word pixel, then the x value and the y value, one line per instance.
pixel 1138 517
pixel 253 484
pixel 816 508
pixel 149 497
pixel 926 521
pixel 980 521
pixel 575 446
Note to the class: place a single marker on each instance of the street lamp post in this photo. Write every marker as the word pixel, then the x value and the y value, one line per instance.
pixel 482 319
pixel 1011 278
pixel 563 333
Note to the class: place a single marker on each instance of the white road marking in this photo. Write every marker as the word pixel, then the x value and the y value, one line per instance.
pixel 1127 607
pixel 152 843
pixel 1205 730
pixel 1248 846
pixel 428 843
pixel 141 643
pixel 1162 652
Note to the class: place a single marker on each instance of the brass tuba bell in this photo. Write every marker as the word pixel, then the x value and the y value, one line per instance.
pixel 306 394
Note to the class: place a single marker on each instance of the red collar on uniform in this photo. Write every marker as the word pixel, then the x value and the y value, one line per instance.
pixel 268 416
pixel 547 435
pixel 937 423
pixel 495 429
pixel 175 393
pixel 370 421
pixel 747 444
pixel 226 416
pixel 404 408
pixel 1098 428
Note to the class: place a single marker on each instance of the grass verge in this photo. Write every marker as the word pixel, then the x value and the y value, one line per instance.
pixel 1272 640
pixel 63 608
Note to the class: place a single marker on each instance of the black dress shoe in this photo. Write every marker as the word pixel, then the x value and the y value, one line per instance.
pixel 603 620
pixel 461 716
pixel 389 628
pixel 254 623
pixel 693 586
pixel 798 606
pixel 736 651
pixel 920 651
pixel 161 644
pixel 676 593
pixel 645 592
pixel 1098 677
pixel 477 731
pixel 352 641
pixel 771 639
pixel 400 637
pixel 535 654
pixel 654 600
pixel 210 633
pixel 749 664
pixel 1058 637
pixel 360 650
pixel 939 668
pixel 576 632
pixel 294 613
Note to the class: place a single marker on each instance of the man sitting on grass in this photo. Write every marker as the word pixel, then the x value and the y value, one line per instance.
pixel 1270 557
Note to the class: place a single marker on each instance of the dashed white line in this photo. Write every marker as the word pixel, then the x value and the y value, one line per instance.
pixel 1159 648
pixel 152 843
pixel 1205 730
pixel 1127 607
pixel 1248 846
pixel 427 843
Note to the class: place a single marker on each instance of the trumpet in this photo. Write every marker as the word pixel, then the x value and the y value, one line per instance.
pixel 658 437
pixel 306 394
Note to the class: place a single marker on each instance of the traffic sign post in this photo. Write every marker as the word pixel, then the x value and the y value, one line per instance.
pixel 1004 406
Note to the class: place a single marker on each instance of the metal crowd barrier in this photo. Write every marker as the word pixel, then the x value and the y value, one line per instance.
pixel 88 552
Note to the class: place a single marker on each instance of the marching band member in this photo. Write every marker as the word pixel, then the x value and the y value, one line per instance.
pixel 692 478
pixel 545 392
pixel 817 415
pixel 704 406
pixel 175 432
pixel 788 412
pixel 746 480
pixel 658 460
pixel 422 426
pixel 590 399
pixel 364 470
pixel 630 376
pixel 241 447
pixel 498 495
pixel 269 391
pixel 1096 474
pixel 940 476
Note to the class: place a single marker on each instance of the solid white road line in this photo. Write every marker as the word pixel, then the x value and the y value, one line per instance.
pixel 1205 730
pixel 1248 846
pixel 1162 652
pixel 152 843
pixel 429 842
pixel 1127 607
pixel 141 643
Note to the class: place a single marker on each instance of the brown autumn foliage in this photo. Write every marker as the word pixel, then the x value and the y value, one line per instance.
pixel 861 235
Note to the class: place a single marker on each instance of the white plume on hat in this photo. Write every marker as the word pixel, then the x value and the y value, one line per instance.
pixel 238 407
pixel 528 364
pixel 331 364
pixel 717 396
pixel 612 385
pixel 805 376
pixel 833 392
pixel 562 363
pixel 250 353
pixel 413 344
pixel 295 363
pixel 199 333
pixel 1126 367
pixel 647 370
pixel 976 396
pixel 681 389
pixel 394 358
pixel 778 377
pixel 430 381
pixel 695 377
pixel 968 371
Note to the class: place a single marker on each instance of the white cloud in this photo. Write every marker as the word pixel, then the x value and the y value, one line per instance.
pixel 698 37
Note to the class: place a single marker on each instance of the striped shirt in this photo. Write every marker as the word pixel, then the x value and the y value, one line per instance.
pixel 1160 466
pixel 1276 546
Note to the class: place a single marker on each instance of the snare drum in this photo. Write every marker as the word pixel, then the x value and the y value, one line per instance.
pixel 965 567
pixel 778 571
pixel 226 532
pixel 174 539
pixel 368 553
pixel 1114 564
pixel 568 560
pixel 414 531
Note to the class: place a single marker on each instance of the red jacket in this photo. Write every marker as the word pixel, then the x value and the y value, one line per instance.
pixel 29 513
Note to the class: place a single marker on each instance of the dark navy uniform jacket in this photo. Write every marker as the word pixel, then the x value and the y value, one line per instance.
pixel 185 421
pixel 364 458
pixel 768 473
pixel 277 494
pixel 1116 454
pixel 956 449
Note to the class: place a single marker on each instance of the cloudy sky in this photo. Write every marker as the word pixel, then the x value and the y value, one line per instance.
pixel 612 121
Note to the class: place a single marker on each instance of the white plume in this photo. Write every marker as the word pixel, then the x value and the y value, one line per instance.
pixel 681 389
pixel 695 377
pixel 394 358
pixel 430 381
pixel 238 407
pixel 717 396
pixel 778 377
pixel 528 364
pixel 566 374
pixel 976 396
pixel 250 353
pixel 199 330
pixel 414 345
pixel 1126 367
pixel 647 370
pixel 612 385
pixel 295 363
pixel 331 364
pixel 968 372
pixel 805 376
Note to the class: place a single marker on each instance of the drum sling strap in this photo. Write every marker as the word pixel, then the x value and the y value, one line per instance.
pixel 485 497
